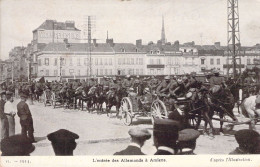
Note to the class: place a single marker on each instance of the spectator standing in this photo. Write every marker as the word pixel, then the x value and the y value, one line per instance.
pixel 10 113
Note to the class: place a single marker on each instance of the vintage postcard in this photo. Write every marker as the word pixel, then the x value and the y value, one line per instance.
pixel 123 82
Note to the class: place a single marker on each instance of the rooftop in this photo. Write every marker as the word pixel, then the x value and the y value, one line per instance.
pixel 54 25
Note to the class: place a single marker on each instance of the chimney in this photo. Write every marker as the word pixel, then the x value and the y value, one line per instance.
pixel 110 42
pixel 70 24
pixel 95 42
pixel 217 45
pixel 138 43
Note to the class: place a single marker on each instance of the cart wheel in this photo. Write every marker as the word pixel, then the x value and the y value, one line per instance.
pixel 127 111
pixel 127 118
pixel 158 110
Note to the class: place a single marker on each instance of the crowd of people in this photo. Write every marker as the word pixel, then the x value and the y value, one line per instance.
pixel 168 134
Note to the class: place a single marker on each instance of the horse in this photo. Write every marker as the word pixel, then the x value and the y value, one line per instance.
pixel 101 98
pixel 250 110
pixel 114 99
pixel 222 101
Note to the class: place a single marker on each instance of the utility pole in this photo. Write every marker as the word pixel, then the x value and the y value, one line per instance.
pixel 89 45
pixel 233 38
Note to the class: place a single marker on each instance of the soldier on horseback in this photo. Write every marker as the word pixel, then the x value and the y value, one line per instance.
pixel 127 82
pixel 153 84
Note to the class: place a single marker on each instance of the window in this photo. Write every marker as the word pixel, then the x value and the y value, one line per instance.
pixel 63 61
pixel 158 52
pixel 105 72
pixel 141 61
pixel 136 50
pixel 96 71
pixel 105 62
pixel 218 61
pixel 39 62
pixel 71 62
pixel 152 71
pixel 78 61
pixel 78 72
pixel 123 62
pixel 85 61
pixel 248 61
pixel 211 61
pixel 151 61
pixel 86 72
pixel 137 71
pixel 71 71
pixel 100 62
pixel 96 61
pixel 122 50
pixel 132 60
pixel 151 52
pixel 55 73
pixel 110 71
pixel 101 71
pixel 119 61
pixel 110 61
pixel 158 71
pixel 202 61
pixel 141 71
pixel 46 61
pixel 55 62
pixel 137 61
pixel 47 73
pixel 128 60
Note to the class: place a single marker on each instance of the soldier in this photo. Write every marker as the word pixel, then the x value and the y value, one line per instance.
pixel 153 83
pixel 165 135
pixel 17 145
pixel 187 141
pixel 180 89
pixel 91 82
pixel 106 83
pixel 146 100
pixel 127 83
pixel 247 141
pixel 163 88
pixel 26 120
pixel 138 138
pixel 216 79
pixel 4 121
pixel 136 84
pixel 250 84
pixel 63 142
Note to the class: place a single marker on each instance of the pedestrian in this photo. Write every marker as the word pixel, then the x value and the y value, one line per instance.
pixel 138 138
pixel 10 113
pixel 26 120
pixel 16 145
pixel 4 121
pixel 187 141
pixel 63 142
pixel 165 135
pixel 247 141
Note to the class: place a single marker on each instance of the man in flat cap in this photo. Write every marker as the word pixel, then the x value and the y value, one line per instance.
pixel 26 120
pixel 247 141
pixel 187 141
pixel 138 138
pixel 17 145
pixel 165 133
pixel 63 142
pixel 4 121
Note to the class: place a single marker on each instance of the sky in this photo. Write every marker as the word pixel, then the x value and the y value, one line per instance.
pixel 202 21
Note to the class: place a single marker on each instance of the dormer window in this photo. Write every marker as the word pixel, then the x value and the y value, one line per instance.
pixel 158 52
pixel 136 50
pixel 123 50
pixel 151 52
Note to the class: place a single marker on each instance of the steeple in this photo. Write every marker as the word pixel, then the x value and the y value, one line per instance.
pixel 163 40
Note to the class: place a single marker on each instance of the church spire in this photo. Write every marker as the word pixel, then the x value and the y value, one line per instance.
pixel 163 40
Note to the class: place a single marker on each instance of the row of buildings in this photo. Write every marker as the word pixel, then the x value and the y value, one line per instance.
pixel 57 53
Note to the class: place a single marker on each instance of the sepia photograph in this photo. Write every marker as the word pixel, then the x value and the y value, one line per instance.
pixel 130 77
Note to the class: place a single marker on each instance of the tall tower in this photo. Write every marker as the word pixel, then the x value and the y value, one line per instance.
pixel 233 39
pixel 163 40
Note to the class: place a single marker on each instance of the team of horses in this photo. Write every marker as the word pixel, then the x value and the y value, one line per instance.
pixel 217 100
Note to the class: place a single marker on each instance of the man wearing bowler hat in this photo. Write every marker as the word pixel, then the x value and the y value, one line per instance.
pixel 138 138
pixel 26 120
pixel 165 133
pixel 63 142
